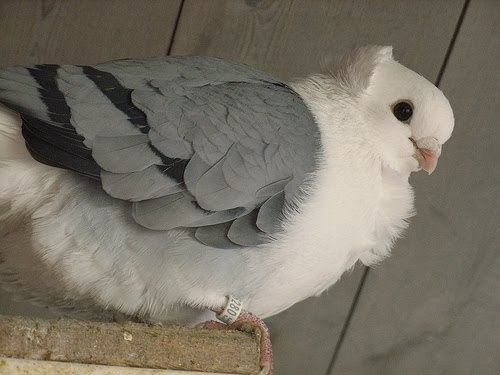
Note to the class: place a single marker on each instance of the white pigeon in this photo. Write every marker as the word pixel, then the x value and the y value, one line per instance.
pixel 197 178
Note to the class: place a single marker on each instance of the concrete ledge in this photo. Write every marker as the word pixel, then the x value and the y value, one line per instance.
pixel 128 344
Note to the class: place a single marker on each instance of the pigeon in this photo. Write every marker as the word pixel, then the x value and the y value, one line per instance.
pixel 161 187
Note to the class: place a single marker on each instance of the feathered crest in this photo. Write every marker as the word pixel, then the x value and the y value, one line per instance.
pixel 355 69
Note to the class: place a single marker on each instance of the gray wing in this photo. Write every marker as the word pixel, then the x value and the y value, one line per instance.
pixel 192 142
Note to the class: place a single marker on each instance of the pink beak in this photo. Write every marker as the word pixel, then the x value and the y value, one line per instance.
pixel 428 151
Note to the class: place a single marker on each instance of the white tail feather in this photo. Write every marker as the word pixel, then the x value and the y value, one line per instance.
pixel 12 144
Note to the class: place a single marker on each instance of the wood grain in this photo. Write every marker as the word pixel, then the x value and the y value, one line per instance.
pixel 433 308
pixel 84 32
pixel 129 344
pixel 289 38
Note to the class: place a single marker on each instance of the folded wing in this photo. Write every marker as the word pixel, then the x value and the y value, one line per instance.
pixel 191 141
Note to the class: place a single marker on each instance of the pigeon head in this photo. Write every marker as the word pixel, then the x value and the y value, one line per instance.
pixel 409 118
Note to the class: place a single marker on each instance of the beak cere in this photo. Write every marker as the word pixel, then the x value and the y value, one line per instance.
pixel 427 153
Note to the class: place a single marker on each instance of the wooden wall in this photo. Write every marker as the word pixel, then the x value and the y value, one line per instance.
pixel 434 306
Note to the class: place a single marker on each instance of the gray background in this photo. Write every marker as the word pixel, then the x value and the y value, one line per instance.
pixel 434 306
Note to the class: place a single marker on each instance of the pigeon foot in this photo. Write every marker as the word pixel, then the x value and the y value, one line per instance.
pixel 250 323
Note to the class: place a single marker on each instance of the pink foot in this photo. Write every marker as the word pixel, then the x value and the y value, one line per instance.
pixel 250 323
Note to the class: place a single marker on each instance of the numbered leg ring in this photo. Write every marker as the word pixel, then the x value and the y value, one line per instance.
pixel 231 311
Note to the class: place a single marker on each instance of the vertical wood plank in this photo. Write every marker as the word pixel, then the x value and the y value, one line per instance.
pixel 289 38
pixel 433 308
pixel 84 32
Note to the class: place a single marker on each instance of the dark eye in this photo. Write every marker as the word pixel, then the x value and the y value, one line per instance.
pixel 402 111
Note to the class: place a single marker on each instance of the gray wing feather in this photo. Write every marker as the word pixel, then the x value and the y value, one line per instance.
pixel 179 210
pixel 138 186
pixel 272 188
pixel 244 232
pixel 269 216
pixel 171 145
pixel 216 236
pixel 124 154
pixel 168 212
pixel 20 91
pixel 213 192
pixel 92 113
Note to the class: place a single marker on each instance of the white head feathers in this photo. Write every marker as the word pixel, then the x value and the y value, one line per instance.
pixel 403 117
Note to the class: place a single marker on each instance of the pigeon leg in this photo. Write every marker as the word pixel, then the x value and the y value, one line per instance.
pixel 250 323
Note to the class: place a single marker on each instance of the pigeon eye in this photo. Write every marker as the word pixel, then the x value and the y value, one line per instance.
pixel 403 111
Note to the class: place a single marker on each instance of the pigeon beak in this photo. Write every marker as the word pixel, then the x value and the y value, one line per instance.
pixel 427 152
